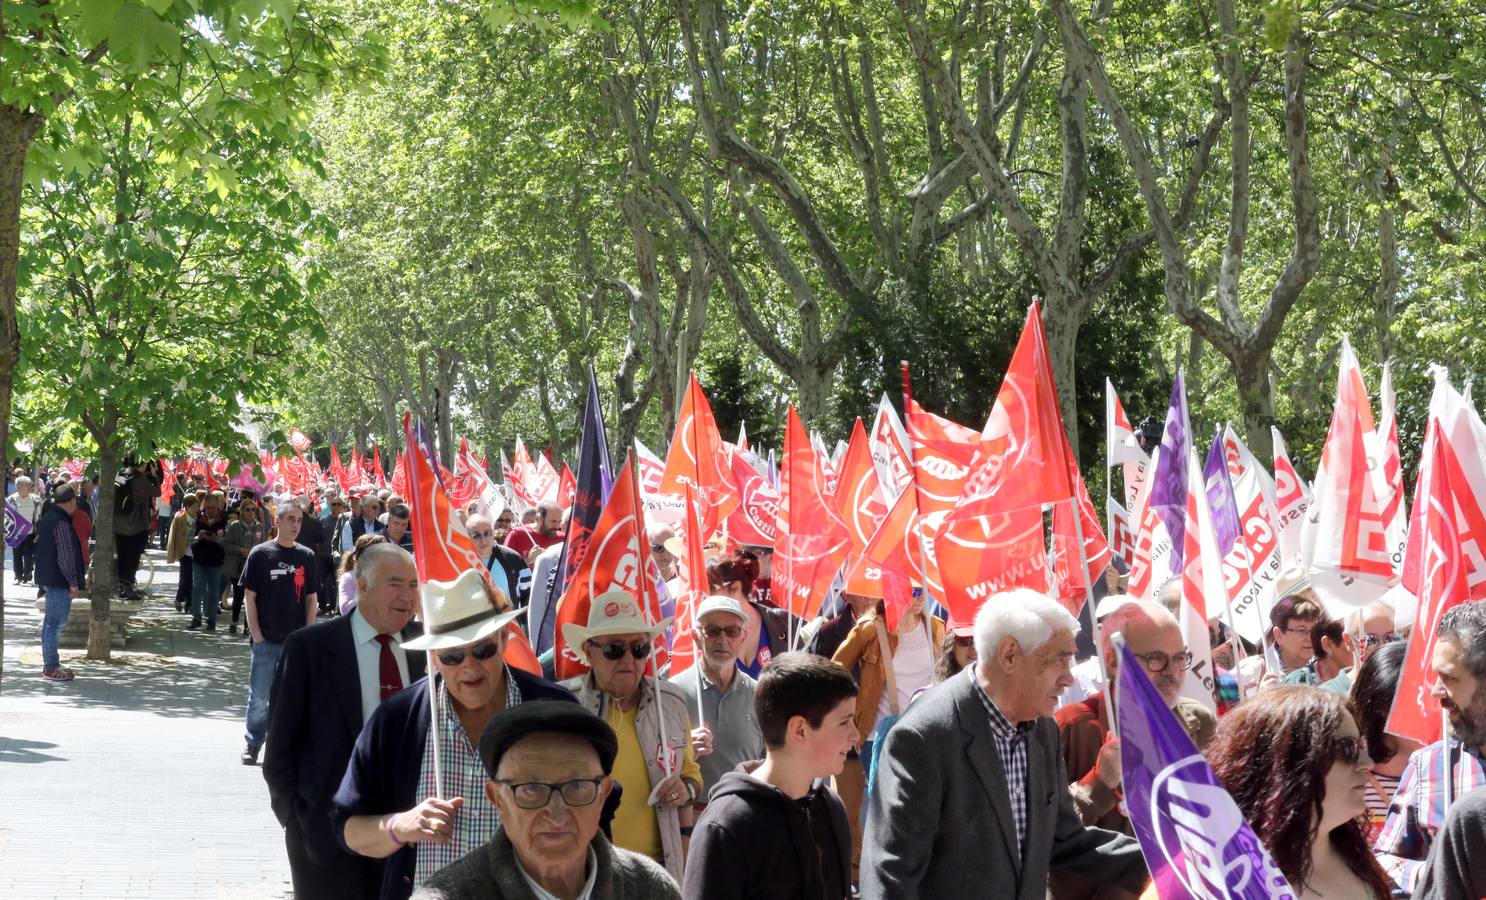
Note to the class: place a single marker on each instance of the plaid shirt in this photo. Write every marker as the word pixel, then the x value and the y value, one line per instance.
pixel 464 776
pixel 1011 743
pixel 1418 809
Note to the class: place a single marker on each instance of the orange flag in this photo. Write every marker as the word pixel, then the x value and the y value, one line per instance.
pixel 697 457
pixel 692 570
pixel 567 488
pixel 617 558
pixel 859 499
pixel 812 540
pixel 442 548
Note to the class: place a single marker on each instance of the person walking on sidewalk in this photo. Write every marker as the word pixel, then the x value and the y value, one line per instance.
pixel 59 571
pixel 242 536
pixel 279 594
pixel 28 505
pixel 208 553
pixel 182 528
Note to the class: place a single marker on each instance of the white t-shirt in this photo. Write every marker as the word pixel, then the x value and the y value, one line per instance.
pixel 913 669
pixel 28 507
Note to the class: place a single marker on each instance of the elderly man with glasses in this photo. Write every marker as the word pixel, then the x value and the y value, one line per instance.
pixel 388 806
pixel 655 763
pixel 551 771
pixel 366 521
pixel 729 732
pixel 1092 754
pixel 506 567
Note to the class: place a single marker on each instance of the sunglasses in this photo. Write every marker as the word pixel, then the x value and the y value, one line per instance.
pixel 615 651
pixel 1348 749
pixel 480 652
pixel 732 631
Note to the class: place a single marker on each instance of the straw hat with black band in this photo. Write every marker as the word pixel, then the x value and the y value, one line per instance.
pixel 457 613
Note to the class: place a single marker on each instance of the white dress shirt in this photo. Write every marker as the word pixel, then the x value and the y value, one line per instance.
pixel 369 662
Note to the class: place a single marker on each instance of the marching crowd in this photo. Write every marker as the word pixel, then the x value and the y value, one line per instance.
pixel 829 758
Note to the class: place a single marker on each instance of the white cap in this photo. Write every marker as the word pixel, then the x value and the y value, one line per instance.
pixel 719 603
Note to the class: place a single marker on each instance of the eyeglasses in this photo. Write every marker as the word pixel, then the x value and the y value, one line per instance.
pixel 1348 749
pixel 537 794
pixel 480 652
pixel 1160 662
pixel 732 631
pixel 481 535
pixel 616 650
pixel 1305 629
pixel 966 641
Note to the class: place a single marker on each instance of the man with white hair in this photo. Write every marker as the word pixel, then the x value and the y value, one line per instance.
pixel 1091 754
pixel 972 795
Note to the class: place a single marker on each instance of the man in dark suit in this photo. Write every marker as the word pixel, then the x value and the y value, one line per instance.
pixel 972 795
pixel 330 678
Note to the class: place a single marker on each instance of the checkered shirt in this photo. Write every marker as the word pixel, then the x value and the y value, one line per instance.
pixel 1418 809
pixel 464 776
pixel 1011 743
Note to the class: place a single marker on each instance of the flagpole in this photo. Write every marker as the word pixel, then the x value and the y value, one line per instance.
pixel 435 723
pixel 1083 571
pixel 923 550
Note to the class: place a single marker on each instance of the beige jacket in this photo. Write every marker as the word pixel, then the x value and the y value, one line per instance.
pixel 678 734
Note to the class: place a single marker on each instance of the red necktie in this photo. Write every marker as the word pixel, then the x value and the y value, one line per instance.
pixel 387 673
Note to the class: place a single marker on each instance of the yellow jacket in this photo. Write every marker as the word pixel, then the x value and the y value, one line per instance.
pixel 179 540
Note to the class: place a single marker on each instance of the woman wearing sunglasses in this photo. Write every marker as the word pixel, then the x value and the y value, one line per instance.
pixel 1297 765
pixel 655 765
pixel 387 805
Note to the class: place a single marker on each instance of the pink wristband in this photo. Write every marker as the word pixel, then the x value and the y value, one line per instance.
pixel 392 834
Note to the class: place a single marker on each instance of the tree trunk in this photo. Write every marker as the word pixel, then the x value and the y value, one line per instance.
pixel 1255 400
pixel 102 579
pixel 1062 318
pixel 16 132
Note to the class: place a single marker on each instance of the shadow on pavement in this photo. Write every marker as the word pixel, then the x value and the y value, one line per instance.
pixel 15 750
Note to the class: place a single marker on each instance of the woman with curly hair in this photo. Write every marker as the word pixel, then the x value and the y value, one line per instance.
pixel 1297 765
pixel 768 631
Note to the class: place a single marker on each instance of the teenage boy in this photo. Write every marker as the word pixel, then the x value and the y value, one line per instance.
pixel 770 830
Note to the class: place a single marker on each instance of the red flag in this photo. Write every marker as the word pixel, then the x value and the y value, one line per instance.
pixel 893 560
pixel 651 470
pixel 859 500
pixel 617 558
pixel 399 481
pixel 167 480
pixel 379 474
pixel 942 454
pixel 544 486
pixel 1463 436
pixel 756 520
pixel 442 548
pixel 337 471
pixel 464 485
pixel 812 539
pixel 1071 587
pixel 567 488
pixel 889 443
pixel 692 571
pixel 697 457
pixel 299 440
pixel 1442 585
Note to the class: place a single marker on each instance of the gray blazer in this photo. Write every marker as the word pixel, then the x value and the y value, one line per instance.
pixel 939 824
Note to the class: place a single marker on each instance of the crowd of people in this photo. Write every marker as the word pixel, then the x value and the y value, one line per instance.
pixel 842 756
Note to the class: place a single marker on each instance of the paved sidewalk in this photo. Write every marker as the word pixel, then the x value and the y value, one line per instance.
pixel 125 783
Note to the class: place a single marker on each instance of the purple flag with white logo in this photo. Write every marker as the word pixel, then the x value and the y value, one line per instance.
pixel 16 526
pixel 1196 842
pixel 1220 500
pixel 1169 482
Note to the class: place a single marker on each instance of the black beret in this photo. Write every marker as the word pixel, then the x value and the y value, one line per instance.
pixel 539 716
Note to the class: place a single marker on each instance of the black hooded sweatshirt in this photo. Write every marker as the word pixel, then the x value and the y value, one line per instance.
pixel 753 841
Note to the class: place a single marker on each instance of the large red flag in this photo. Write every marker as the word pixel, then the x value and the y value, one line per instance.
pixel 692 571
pixel 1463 435
pixel 756 520
pixel 567 488
pixel 812 540
pixel 299 440
pixel 617 558
pixel 399 481
pixel 379 474
pixel 697 457
pixel 858 499
pixel 337 470
pixel 442 548
pixel 464 486
pixel 942 455
pixel 1441 585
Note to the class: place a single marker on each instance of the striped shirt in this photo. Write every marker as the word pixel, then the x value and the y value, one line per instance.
pixel 464 776
pixel 1378 795
pixel 69 560
pixel 1011 744
pixel 1418 809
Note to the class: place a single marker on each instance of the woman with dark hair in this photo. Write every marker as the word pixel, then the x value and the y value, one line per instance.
pixel 1297 765
pixel 1372 698
pixel 1333 655
pixel 768 631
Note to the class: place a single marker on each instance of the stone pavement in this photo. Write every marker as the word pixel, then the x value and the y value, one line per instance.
pixel 125 783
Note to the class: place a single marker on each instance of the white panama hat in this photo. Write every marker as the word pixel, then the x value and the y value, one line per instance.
pixel 457 613
pixel 612 612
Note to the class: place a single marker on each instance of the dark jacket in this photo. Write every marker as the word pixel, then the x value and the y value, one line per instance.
pixel 313 535
pixel 382 776
pixel 777 624
pixel 752 841
pixel 490 873
pixel 134 503
pixel 48 569
pixel 940 821
pixel 831 634
pixel 518 573
pixel 314 718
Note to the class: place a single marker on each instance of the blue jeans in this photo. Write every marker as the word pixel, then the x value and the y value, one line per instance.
pixel 58 605
pixel 206 593
pixel 260 684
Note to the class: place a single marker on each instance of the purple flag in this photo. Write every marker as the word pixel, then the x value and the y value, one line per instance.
pixel 1169 482
pixel 593 482
pixel 16 526
pixel 1220 500
pixel 1196 842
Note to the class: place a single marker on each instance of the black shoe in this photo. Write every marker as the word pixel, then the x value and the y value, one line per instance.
pixel 195 623
pixel 250 756
pixel 211 626
pixel 232 629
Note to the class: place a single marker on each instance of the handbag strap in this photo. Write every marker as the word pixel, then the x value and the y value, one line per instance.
pixel 887 665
